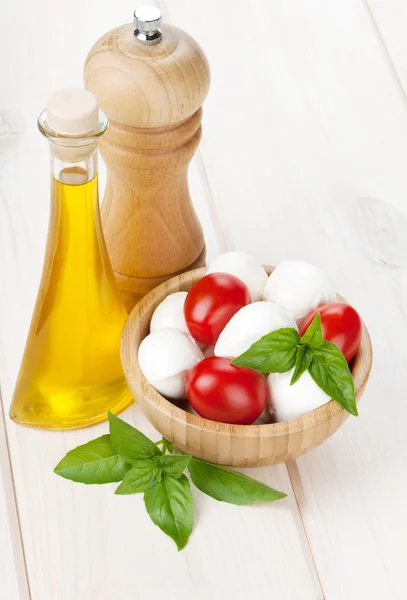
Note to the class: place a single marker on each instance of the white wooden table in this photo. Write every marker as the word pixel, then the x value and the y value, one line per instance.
pixel 304 155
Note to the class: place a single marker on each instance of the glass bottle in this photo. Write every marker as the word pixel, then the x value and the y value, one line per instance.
pixel 71 373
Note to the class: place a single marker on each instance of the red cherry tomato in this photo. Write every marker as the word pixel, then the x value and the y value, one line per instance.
pixel 222 392
pixel 211 303
pixel 341 325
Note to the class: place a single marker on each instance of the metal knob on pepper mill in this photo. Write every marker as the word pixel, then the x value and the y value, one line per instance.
pixel 151 81
pixel 147 20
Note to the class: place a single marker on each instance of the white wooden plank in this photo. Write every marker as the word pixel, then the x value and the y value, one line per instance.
pixel 390 17
pixel 83 542
pixel 305 146
pixel 91 540
pixel 8 575
pixel 354 488
pixel 13 579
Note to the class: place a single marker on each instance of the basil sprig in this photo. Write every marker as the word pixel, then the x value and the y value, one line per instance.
pixel 230 486
pixel 94 462
pixel 274 353
pixel 282 350
pixel 170 506
pixel 127 455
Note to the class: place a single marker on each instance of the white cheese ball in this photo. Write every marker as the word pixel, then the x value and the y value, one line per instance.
pixel 248 325
pixel 245 267
pixel 299 287
pixel 170 313
pixel 287 401
pixel 165 357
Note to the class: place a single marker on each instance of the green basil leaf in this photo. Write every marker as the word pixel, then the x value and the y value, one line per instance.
pixel 330 371
pixel 130 442
pixel 94 462
pixel 170 506
pixel 140 478
pixel 304 357
pixel 174 465
pixel 167 446
pixel 313 335
pixel 273 353
pixel 230 486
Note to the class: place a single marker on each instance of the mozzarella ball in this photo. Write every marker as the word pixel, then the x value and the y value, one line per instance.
pixel 165 356
pixel 287 401
pixel 245 267
pixel 249 324
pixel 170 313
pixel 299 287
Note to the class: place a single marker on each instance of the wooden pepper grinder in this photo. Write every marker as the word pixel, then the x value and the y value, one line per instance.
pixel 151 83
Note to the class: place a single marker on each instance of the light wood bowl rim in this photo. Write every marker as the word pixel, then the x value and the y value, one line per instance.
pixel 170 410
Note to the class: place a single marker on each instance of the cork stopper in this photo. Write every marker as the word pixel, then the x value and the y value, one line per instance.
pixel 73 124
pixel 72 112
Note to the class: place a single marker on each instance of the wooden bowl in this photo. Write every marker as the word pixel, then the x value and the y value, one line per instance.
pixel 234 445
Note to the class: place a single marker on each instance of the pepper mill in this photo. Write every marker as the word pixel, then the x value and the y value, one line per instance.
pixel 151 82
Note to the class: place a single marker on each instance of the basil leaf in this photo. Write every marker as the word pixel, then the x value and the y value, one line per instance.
pixel 170 507
pixel 230 486
pixel 273 353
pixel 130 442
pixel 330 371
pixel 313 335
pixel 304 357
pixel 94 462
pixel 174 465
pixel 167 446
pixel 141 477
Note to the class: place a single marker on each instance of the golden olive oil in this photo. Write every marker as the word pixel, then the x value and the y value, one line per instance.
pixel 71 373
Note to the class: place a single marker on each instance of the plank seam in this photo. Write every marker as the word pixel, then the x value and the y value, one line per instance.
pixel 291 477
pixel 386 52
pixel 211 203
pixel 224 247
pixel 21 569
pixel 221 238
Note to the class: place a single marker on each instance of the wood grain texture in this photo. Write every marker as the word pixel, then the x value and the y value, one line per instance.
pixel 323 179
pixel 148 87
pixel 233 445
pixel 85 542
pixel 13 576
pixel 390 19
pixel 80 542
pixel 152 96
pixel 8 574
pixel 314 169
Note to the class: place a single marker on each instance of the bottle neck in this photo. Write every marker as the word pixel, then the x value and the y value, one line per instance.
pixel 74 158
pixel 68 169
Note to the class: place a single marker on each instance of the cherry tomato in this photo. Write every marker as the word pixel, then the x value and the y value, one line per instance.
pixel 211 303
pixel 341 325
pixel 222 392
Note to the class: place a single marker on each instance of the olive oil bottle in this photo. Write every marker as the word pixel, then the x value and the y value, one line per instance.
pixel 71 373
